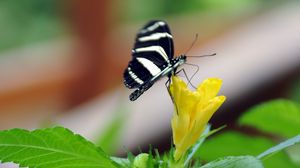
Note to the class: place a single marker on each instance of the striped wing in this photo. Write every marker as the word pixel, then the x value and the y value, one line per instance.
pixel 151 53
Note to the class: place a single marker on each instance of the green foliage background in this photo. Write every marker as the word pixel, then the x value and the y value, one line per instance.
pixel 58 147
pixel 30 21
pixel 274 121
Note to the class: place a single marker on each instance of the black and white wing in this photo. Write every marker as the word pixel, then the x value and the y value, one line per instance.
pixel 152 52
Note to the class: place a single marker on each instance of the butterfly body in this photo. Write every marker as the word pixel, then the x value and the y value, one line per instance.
pixel 171 68
pixel 152 58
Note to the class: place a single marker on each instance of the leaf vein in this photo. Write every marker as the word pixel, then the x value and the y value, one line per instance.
pixel 48 149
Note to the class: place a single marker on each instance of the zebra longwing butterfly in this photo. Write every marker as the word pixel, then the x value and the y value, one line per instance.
pixel 152 58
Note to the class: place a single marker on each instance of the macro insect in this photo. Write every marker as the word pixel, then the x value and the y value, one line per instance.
pixel 152 58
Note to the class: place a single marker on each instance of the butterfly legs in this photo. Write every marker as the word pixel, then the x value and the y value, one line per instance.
pixel 167 84
pixel 188 79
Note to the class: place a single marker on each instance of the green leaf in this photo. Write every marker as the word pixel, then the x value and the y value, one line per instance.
pixel 54 147
pixel 282 145
pixel 195 148
pixel 109 139
pixel 197 145
pixel 279 117
pixel 231 143
pixel 235 162
pixel 121 161
pixel 294 153
pixel 294 91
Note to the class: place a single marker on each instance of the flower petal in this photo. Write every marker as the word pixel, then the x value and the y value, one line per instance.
pixel 193 109
pixel 209 88
pixel 176 87
pixel 205 113
pixel 184 99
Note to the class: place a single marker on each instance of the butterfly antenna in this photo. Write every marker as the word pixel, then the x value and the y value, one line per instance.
pixel 208 55
pixel 193 43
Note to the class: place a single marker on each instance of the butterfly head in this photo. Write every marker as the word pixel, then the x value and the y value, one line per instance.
pixel 180 60
pixel 176 62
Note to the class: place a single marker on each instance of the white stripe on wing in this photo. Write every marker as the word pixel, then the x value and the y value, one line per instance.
pixel 153 27
pixel 154 36
pixel 134 77
pixel 157 49
pixel 150 66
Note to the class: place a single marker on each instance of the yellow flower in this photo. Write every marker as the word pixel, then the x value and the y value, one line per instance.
pixel 193 109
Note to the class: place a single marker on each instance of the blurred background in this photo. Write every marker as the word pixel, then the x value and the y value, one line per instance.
pixel 62 62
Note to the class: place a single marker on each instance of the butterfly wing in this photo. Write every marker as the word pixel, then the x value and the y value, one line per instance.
pixel 156 33
pixel 152 51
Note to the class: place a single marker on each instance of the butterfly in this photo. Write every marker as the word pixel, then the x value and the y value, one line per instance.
pixel 152 58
